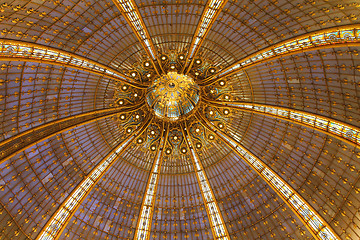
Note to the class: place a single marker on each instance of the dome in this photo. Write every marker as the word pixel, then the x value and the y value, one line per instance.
pixel 180 119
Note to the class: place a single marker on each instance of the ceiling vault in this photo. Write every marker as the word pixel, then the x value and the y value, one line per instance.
pixel 143 225
pixel 131 13
pixel 22 141
pixel 58 221
pixel 181 119
pixel 334 37
pixel 212 10
pixel 343 131
pixel 218 227
pixel 318 227
pixel 15 50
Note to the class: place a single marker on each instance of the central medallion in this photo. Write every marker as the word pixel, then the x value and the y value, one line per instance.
pixel 172 96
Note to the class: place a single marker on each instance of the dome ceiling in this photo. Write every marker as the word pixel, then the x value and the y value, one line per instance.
pixel 179 119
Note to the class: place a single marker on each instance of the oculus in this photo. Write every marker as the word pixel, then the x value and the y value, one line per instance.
pixel 172 96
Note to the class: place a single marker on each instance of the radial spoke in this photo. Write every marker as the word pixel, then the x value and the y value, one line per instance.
pixel 217 223
pixel 18 143
pixel 340 130
pixel 59 220
pixel 132 15
pixel 12 50
pixel 342 36
pixel 208 17
pixel 147 207
pixel 317 226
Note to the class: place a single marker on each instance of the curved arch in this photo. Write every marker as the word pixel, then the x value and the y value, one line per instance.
pixel 218 229
pixel 58 221
pixel 335 128
pixel 18 143
pixel 132 15
pixel 316 225
pixel 147 206
pixel 343 36
pixel 211 12
pixel 14 50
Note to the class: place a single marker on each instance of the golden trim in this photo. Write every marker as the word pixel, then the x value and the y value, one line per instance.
pixel 155 170
pixel 317 122
pixel 212 7
pixel 127 6
pixel 32 52
pixel 262 170
pixel 15 141
pixel 44 235
pixel 304 43
pixel 192 153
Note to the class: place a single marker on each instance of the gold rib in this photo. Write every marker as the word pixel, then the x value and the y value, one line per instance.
pixel 342 36
pixel 14 50
pixel 59 220
pixel 212 10
pixel 131 13
pixel 217 223
pixel 316 225
pixel 22 141
pixel 147 206
pixel 335 128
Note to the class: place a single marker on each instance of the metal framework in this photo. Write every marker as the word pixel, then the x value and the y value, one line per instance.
pixel 212 10
pixel 13 50
pixel 335 128
pixel 317 226
pixel 217 223
pixel 13 219
pixel 132 15
pixel 342 36
pixel 147 207
pixel 18 143
pixel 58 221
